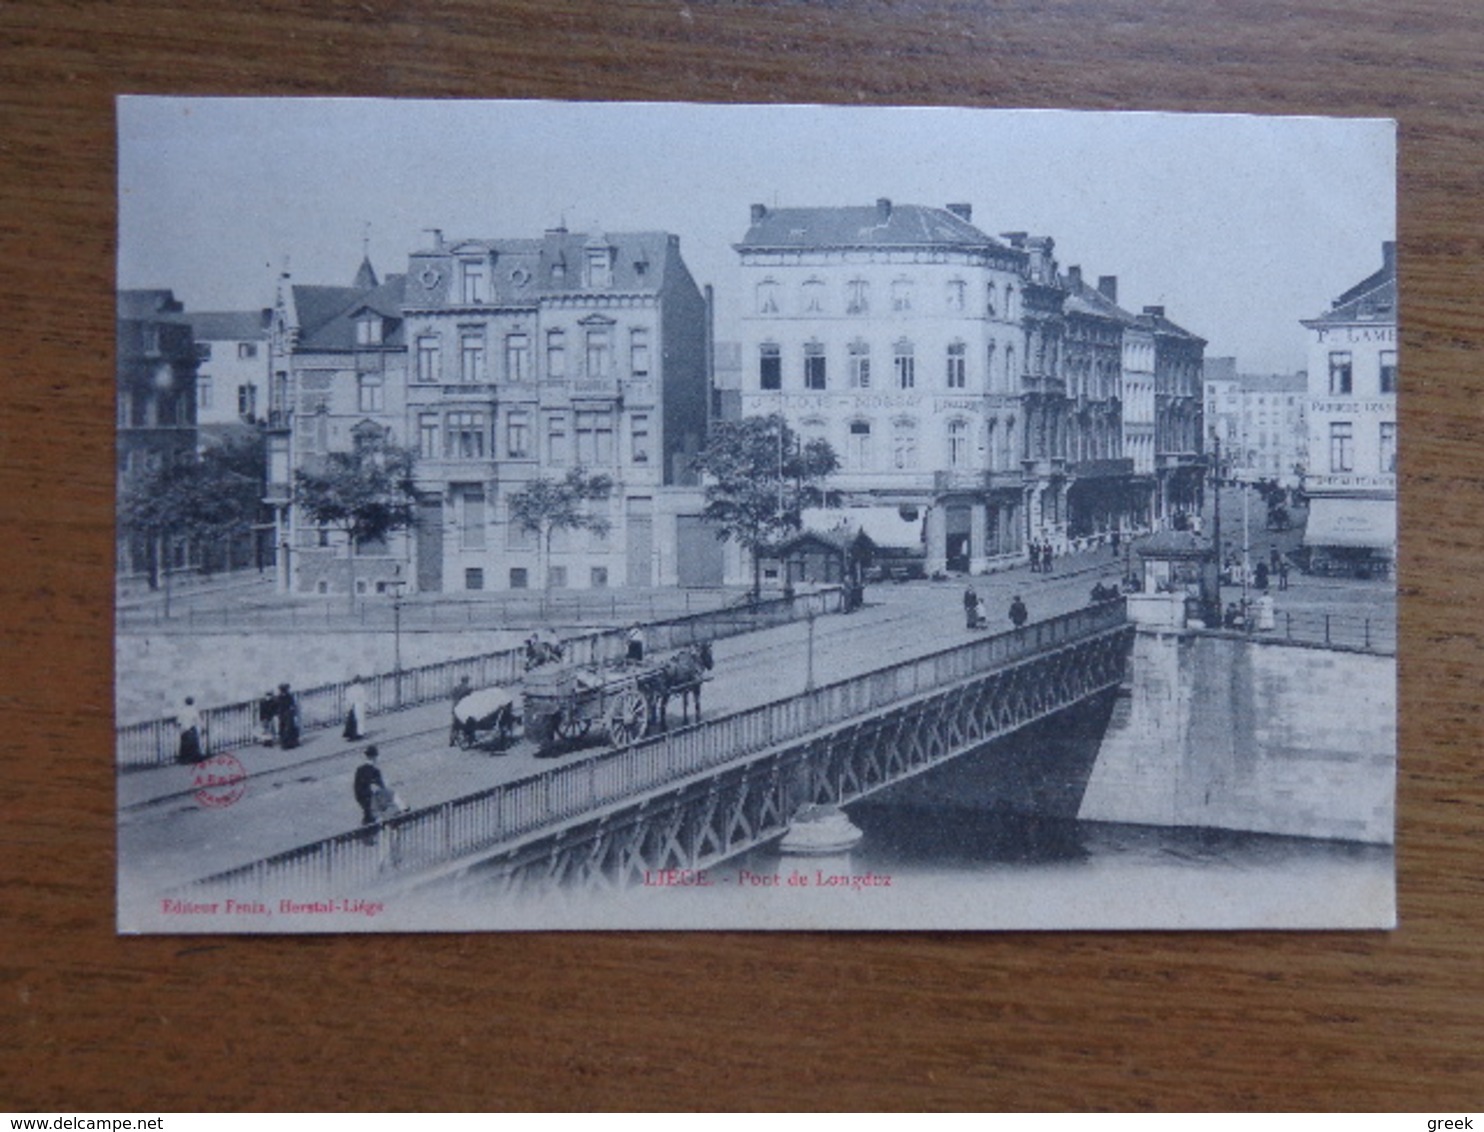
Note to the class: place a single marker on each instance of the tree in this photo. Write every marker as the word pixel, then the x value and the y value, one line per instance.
pixel 760 477
pixel 201 500
pixel 366 495
pixel 545 506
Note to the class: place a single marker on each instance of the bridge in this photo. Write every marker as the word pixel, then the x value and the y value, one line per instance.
pixel 697 795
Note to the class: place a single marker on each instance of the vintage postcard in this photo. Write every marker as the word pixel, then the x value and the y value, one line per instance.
pixel 539 515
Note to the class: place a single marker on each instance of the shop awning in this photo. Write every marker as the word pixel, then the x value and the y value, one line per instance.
pixel 1356 523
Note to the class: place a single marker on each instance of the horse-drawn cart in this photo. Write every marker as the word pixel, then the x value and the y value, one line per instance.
pixel 482 716
pixel 564 704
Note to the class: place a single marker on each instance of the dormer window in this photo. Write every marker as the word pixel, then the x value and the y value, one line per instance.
pixel 369 330
pixel 474 281
pixel 599 268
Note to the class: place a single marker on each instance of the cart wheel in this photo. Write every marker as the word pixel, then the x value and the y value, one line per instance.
pixel 570 730
pixel 463 738
pixel 627 718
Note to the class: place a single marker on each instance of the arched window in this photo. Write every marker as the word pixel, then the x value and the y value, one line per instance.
pixel 767 297
pixel 989 297
pixel 857 297
pixel 813 296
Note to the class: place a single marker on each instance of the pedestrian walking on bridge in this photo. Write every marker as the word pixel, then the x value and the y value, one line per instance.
pixel 1018 612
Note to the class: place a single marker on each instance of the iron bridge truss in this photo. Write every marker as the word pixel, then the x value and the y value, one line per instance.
pixel 738 807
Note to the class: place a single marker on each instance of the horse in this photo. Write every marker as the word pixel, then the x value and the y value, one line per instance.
pixel 682 674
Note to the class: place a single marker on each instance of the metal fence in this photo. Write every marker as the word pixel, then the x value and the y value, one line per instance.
pixel 153 742
pixel 1332 630
pixel 449 831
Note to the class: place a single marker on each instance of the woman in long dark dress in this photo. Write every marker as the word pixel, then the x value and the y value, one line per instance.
pixel 288 718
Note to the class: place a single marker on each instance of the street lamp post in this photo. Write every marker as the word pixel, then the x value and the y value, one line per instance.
pixel 809 671
pixel 396 586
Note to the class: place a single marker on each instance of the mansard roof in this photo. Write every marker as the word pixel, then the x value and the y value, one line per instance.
pixel 1156 321
pixel 527 270
pixel 1373 299
pixel 883 224
pixel 1086 300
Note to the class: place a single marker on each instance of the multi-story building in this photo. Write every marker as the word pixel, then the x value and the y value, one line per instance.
pixel 529 357
pixel 232 371
pixel 1179 409
pixel 1260 421
pixel 156 406
pixel 338 361
pixel 1102 342
pixel 1351 479
pixel 896 332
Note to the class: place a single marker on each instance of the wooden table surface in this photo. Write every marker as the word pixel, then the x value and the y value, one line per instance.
pixel 1127 1021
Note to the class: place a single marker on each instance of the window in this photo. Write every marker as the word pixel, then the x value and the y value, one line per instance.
pixel 989 300
pixel 1388 447
pixel 1341 446
pixel 957 371
pixel 1341 375
pixel 203 392
pixel 958 443
pixel 595 438
pixel 599 352
pixel 770 366
pixel 639 438
pixel 957 291
pixel 904 445
pixel 599 267
pixel 814 366
pixel 473 578
pixel 557 577
pixel 247 400
pixel 518 434
pixel 465 437
pixel 470 498
pixel 203 351
pixel 247 349
pixel 813 296
pixel 904 366
pixel 519 578
pixel 556 354
pixel 860 365
pixel 857 297
pixel 901 295
pixel 1010 373
pixel 767 297
pixel 858 452
pixel 368 331
pixel 1009 303
pixel 639 352
pixel 471 356
pixel 474 279
pixel 427 436
pixel 517 357
pixel 370 393
pixel 598 577
pixel 427 357
pixel 1388 371
pixel 556 439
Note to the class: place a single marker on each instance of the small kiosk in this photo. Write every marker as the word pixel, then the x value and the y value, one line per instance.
pixel 1173 580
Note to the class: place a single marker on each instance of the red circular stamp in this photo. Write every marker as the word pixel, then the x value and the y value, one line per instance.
pixel 219 781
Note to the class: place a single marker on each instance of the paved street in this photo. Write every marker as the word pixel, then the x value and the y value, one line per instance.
pixel 293 798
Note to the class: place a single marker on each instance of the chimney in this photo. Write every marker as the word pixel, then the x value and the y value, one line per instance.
pixel 1155 312
pixel 437 238
pixel 759 213
pixel 1388 256
pixel 964 212
pixel 1108 286
pixel 883 209
pixel 1016 239
pixel 1074 276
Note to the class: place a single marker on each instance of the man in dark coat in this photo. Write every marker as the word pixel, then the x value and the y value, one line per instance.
pixel 368 785
pixel 971 608
pixel 288 718
pixel 1018 613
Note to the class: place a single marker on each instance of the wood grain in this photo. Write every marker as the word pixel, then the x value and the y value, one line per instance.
pixel 1123 1021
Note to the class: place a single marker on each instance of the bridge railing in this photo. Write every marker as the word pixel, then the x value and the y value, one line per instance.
pixel 463 826
pixel 153 742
